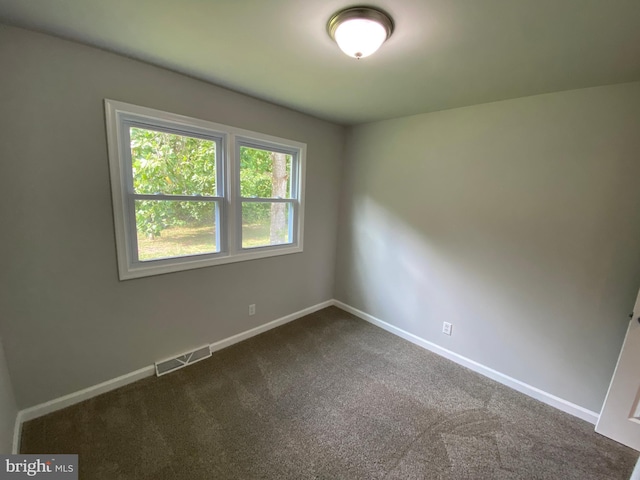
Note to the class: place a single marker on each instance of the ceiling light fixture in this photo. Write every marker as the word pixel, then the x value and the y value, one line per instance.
pixel 360 31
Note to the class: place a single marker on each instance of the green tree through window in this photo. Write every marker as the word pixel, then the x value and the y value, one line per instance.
pixel 173 164
pixel 188 193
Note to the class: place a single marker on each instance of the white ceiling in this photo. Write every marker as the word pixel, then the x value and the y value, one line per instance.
pixel 443 53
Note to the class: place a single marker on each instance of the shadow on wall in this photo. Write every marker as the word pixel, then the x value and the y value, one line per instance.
pixel 525 240
pixel 421 279
pixel 512 308
pixel 517 222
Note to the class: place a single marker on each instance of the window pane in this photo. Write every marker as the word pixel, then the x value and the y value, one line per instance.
pixel 168 229
pixel 265 223
pixel 172 164
pixel 265 174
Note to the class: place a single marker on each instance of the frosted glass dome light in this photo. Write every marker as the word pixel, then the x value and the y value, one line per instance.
pixel 360 31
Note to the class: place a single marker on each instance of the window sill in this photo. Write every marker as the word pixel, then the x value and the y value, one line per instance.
pixel 159 267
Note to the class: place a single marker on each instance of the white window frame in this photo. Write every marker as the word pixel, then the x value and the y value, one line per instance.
pixel 262 145
pixel 120 116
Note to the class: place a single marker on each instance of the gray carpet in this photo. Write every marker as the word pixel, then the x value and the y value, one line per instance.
pixel 328 396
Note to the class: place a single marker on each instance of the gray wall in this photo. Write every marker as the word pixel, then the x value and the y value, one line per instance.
pixel 8 409
pixel 67 322
pixel 517 221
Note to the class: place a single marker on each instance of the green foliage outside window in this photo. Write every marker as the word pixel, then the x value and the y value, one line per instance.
pixel 257 180
pixel 169 164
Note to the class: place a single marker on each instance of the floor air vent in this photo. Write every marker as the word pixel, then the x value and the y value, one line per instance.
pixel 176 363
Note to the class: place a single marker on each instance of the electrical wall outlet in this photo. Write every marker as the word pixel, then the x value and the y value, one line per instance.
pixel 446 328
pixel 252 309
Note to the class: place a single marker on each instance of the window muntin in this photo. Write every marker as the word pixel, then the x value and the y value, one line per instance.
pixel 183 196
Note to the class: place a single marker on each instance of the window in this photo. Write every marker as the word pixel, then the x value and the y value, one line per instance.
pixel 267 189
pixel 189 193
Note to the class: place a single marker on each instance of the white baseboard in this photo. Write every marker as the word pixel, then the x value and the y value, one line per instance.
pixel 90 392
pixel 541 395
pixel 17 431
pixel 636 471
pixel 227 342
pixel 85 394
